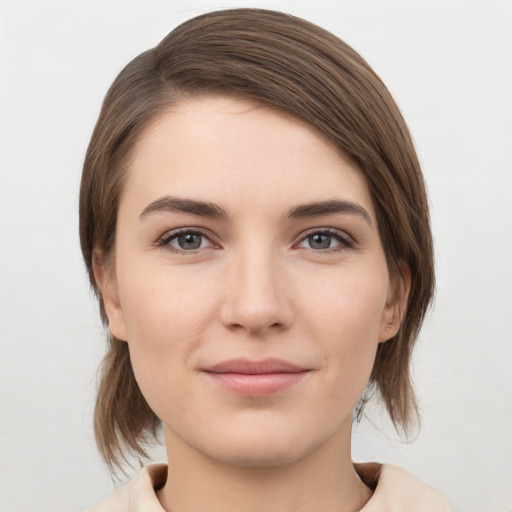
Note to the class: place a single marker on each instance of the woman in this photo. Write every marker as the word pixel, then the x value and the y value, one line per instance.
pixel 254 221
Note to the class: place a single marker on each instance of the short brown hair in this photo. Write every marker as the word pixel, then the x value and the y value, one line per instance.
pixel 295 66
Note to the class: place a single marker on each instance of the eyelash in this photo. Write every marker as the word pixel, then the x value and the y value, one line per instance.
pixel 345 241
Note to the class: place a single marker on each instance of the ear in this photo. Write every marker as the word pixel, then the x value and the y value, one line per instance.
pixel 106 282
pixel 396 304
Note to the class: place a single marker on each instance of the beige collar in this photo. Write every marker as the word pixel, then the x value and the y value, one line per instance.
pixel 395 490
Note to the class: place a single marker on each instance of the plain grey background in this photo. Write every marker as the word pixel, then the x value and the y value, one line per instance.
pixel 448 64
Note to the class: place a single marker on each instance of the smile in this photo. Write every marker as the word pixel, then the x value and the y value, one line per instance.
pixel 255 378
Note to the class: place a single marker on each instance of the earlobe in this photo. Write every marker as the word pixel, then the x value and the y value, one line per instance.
pixel 396 305
pixel 105 280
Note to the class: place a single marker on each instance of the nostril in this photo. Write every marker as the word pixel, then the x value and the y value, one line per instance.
pixel 256 328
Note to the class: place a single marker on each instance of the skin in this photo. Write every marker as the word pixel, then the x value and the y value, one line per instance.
pixel 260 285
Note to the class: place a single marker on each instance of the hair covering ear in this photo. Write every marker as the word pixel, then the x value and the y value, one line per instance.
pixel 107 288
pixel 396 304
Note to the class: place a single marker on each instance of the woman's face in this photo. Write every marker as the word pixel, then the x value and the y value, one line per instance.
pixel 250 282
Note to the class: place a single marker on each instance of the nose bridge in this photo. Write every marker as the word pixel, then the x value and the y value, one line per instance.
pixel 256 296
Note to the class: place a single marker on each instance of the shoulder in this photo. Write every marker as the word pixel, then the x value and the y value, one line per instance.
pixel 396 490
pixel 138 495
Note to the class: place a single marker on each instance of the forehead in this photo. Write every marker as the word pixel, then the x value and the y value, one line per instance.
pixel 227 149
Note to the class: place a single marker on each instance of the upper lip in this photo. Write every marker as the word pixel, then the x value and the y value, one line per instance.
pixel 249 367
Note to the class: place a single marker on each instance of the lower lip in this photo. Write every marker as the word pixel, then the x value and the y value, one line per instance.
pixel 256 385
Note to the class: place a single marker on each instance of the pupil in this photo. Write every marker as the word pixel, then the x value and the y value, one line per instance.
pixel 189 241
pixel 320 241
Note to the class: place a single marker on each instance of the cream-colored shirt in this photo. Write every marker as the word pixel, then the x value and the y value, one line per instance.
pixel 396 490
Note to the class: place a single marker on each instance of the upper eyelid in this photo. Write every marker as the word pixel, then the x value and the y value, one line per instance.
pixel 327 231
pixel 324 229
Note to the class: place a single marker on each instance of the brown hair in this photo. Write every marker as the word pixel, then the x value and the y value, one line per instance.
pixel 295 66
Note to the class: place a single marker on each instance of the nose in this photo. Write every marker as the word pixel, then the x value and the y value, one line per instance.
pixel 256 296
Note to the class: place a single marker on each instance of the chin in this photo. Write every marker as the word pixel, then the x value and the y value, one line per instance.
pixel 264 447
pixel 259 454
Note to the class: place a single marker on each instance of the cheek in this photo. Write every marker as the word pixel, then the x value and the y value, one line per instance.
pixel 163 306
pixel 165 312
pixel 348 303
pixel 344 321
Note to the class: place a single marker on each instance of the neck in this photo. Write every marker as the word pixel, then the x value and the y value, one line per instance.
pixel 324 479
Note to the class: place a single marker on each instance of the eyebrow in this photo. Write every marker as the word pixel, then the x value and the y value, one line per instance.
pixel 328 208
pixel 207 209
pixel 177 204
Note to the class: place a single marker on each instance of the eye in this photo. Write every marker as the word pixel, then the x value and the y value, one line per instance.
pixel 326 240
pixel 185 241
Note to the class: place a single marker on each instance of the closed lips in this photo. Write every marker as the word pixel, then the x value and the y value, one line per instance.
pixel 247 367
pixel 253 379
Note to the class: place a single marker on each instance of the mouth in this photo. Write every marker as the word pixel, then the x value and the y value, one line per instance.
pixel 255 378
